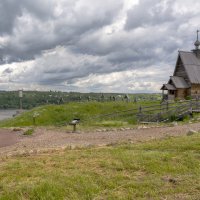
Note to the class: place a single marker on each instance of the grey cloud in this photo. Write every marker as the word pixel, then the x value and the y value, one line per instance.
pixel 7 71
pixel 40 28
pixel 43 10
pixel 127 50
pixel 150 13
pixel 9 11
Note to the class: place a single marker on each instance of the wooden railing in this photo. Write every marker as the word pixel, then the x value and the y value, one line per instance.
pixel 168 111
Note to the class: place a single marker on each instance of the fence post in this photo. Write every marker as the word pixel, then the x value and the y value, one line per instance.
pixel 162 106
pixel 140 109
pixel 167 105
pixel 198 103
pixel 191 106
pixel 140 113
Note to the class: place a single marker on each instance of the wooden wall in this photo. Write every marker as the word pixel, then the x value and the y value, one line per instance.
pixel 195 90
pixel 182 93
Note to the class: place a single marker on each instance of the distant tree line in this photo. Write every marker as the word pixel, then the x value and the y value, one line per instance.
pixel 31 99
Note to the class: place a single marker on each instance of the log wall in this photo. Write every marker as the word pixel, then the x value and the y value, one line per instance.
pixel 182 93
pixel 195 90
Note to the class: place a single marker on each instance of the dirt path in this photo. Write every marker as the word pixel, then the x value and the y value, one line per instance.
pixel 14 142
pixel 7 138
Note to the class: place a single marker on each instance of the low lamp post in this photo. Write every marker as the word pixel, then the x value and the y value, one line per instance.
pixel 20 98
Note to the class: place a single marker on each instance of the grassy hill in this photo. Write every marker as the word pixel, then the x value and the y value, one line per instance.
pixel 90 114
pixel 161 169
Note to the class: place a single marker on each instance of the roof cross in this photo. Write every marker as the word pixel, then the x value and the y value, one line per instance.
pixel 197 34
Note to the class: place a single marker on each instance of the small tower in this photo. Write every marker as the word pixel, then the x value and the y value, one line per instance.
pixel 197 44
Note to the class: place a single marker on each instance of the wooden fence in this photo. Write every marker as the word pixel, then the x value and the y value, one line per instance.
pixel 166 111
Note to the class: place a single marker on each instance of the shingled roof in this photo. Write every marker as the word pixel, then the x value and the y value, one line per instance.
pixel 168 87
pixel 179 82
pixel 192 66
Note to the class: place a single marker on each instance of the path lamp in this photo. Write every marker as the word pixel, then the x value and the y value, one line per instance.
pixel 20 98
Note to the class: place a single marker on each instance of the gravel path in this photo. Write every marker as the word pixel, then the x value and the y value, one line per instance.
pixel 14 142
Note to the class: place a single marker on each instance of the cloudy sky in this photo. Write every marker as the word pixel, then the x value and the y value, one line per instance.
pixel 93 45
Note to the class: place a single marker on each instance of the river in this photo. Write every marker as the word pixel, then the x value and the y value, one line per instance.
pixel 6 114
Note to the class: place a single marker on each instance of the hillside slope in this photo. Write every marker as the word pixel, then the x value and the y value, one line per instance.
pixel 90 113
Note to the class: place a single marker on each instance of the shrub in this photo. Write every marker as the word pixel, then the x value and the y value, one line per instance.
pixel 188 98
pixel 29 132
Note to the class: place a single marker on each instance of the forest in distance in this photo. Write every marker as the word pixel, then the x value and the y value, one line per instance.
pixel 31 99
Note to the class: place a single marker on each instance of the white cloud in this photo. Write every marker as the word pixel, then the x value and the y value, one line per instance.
pixel 126 81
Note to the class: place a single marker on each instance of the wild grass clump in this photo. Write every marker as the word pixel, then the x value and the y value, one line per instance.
pixel 29 132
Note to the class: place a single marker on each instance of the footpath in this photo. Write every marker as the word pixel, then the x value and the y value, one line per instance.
pixel 44 140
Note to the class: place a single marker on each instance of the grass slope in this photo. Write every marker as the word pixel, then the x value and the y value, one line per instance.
pixel 167 169
pixel 60 114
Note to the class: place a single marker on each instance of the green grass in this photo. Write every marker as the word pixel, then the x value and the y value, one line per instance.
pixel 58 115
pixel 162 169
pixel 29 132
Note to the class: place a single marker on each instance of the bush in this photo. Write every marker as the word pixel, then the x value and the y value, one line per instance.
pixel 188 98
pixel 29 132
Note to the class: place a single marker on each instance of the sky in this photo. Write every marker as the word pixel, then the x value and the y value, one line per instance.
pixel 125 46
